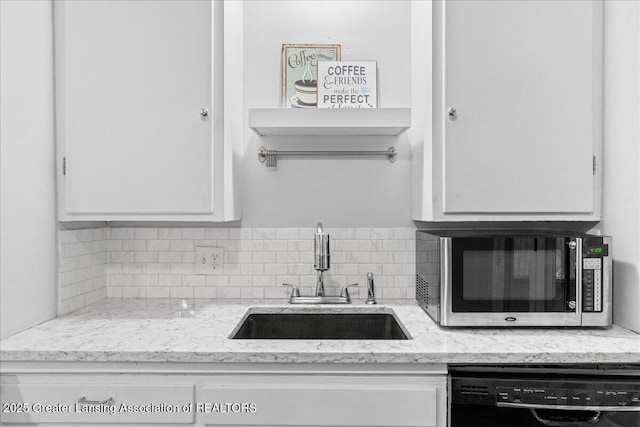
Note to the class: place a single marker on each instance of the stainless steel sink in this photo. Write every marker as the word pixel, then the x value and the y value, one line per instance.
pixel 320 326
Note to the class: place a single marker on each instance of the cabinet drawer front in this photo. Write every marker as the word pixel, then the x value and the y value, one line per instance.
pixel 121 403
pixel 315 403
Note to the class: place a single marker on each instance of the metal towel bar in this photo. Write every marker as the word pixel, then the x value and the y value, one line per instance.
pixel 270 156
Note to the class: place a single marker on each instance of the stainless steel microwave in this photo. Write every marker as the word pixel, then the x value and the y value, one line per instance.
pixel 514 278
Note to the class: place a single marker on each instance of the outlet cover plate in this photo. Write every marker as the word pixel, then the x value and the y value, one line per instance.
pixel 209 261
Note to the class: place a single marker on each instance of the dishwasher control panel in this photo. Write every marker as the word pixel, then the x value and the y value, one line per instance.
pixel 566 392
pixel 568 396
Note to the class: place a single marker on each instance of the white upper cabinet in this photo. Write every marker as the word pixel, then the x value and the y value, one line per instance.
pixel 139 101
pixel 515 126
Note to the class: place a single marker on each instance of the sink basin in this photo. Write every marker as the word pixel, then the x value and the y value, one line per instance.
pixel 320 326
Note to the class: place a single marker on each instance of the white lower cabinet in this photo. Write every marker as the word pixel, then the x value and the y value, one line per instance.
pixel 380 395
pixel 306 400
pixel 88 404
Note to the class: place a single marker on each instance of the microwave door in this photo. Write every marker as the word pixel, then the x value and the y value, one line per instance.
pixel 510 281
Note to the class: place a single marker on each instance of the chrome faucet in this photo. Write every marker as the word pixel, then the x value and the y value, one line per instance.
pixel 321 257
pixel 321 262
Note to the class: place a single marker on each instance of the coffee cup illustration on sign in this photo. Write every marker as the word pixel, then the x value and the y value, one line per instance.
pixel 306 90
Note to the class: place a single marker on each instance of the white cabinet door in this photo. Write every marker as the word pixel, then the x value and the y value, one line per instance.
pixel 132 78
pixel 97 403
pixel 525 81
pixel 322 400
pixel 521 77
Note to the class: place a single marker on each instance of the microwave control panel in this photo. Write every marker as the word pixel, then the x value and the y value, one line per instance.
pixel 592 288
pixel 592 284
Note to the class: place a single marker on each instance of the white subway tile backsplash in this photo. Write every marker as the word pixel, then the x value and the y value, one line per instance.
pixel 181 268
pixel 184 292
pixel 230 245
pixel 384 257
pixel 264 257
pixel 169 280
pixel 134 245
pixel 394 245
pixel 114 292
pixel 145 233
pixel 358 257
pixel 264 281
pixel 276 245
pixel 287 257
pixel 300 245
pixel 217 233
pixel 158 292
pixel 122 233
pixel 277 269
pixel 251 269
pixel 181 245
pixel 252 245
pixel 252 293
pixel 358 233
pixel 122 256
pixel 158 245
pixel 145 280
pixel 205 292
pixel 242 281
pixel 158 268
pixel 287 233
pixel 170 233
pixel 133 268
pixel 149 262
pixel 134 292
pixel 238 257
pixel 193 280
pixel 405 233
pixel 170 257
pixel 217 281
pixel 82 267
pixel 264 233
pixel 382 233
pixel 142 257
pixel 194 233
pixel 121 280
pixel 229 293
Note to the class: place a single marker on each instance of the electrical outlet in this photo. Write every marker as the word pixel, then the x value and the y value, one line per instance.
pixel 209 261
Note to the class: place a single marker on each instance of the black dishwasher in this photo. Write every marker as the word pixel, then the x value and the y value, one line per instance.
pixel 545 395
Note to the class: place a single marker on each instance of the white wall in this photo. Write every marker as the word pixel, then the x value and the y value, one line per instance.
pixel 622 155
pixel 27 219
pixel 341 192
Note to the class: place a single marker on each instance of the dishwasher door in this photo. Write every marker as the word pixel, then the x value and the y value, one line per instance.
pixel 536 397
pixel 495 416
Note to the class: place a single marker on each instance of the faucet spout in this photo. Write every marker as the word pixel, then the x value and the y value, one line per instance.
pixel 320 285
pixel 321 257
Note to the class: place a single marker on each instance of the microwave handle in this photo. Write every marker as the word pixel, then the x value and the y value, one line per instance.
pixel 569 407
pixel 579 276
pixel 576 247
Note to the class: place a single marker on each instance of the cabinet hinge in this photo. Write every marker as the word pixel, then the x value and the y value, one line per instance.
pixel 64 166
pixel 594 165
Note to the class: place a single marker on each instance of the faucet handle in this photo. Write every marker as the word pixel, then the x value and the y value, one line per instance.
pixel 345 290
pixel 295 292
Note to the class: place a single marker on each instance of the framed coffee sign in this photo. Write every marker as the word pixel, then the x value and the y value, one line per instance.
pixel 300 72
pixel 347 84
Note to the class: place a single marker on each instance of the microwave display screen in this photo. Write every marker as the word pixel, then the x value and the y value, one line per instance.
pixel 512 274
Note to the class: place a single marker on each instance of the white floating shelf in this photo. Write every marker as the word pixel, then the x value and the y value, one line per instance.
pixel 330 121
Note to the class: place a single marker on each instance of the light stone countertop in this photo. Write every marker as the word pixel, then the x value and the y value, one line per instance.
pixel 154 330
